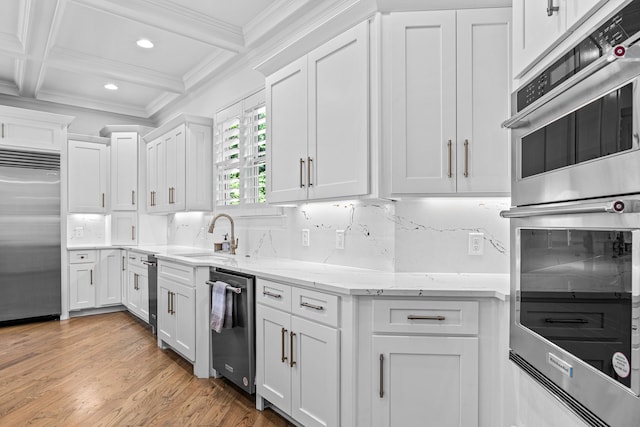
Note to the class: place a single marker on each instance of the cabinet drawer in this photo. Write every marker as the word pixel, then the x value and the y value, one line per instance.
pixel 176 272
pixel 136 259
pixel 316 306
pixel 273 294
pixel 425 317
pixel 81 257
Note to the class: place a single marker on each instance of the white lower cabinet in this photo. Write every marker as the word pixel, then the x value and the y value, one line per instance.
pixel 177 308
pixel 298 358
pixel 420 363
pixel 434 379
pixel 95 278
pixel 138 286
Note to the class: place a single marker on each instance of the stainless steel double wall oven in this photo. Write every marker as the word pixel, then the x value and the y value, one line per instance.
pixel 575 224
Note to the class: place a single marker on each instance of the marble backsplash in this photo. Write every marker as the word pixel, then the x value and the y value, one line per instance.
pixel 405 236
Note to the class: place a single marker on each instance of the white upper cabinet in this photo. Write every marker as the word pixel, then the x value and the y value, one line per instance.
pixel 318 122
pixel 124 228
pixel 180 166
pixel 36 130
pixel 88 172
pixel 450 85
pixel 124 171
pixel 537 29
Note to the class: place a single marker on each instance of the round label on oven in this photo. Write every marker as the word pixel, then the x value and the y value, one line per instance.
pixel 621 364
pixel 245 381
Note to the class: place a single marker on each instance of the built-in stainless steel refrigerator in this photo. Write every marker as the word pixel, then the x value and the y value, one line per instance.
pixel 30 274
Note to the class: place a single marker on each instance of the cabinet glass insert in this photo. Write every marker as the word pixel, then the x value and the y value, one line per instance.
pixel 575 291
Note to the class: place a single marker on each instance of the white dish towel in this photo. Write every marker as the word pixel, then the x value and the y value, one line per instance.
pixel 221 307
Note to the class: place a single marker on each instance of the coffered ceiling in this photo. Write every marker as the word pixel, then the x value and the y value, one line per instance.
pixel 66 51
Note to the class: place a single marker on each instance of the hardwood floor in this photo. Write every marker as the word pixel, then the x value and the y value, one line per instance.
pixel 106 370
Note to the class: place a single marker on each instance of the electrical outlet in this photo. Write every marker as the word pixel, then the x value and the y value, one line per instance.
pixel 339 239
pixel 78 232
pixel 305 237
pixel 476 243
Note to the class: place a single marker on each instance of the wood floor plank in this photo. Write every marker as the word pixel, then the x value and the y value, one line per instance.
pixel 106 370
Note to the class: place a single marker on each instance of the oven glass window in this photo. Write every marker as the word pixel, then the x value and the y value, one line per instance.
pixel 600 128
pixel 575 290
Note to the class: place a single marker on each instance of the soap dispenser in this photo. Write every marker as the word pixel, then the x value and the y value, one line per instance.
pixel 226 245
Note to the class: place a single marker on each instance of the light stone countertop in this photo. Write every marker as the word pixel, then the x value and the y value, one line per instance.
pixel 335 278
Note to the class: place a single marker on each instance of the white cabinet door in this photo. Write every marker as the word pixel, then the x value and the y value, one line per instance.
pixel 88 173
pixel 82 286
pixel 124 171
pixel 175 185
pixel 23 133
pixel 273 370
pixel 425 378
pixel 166 320
pixel 124 228
pixel 184 312
pixel 483 101
pixel 338 156
pixel 156 176
pixel 138 293
pixel 315 378
pixel 423 102
pixel 286 94
pixel 110 282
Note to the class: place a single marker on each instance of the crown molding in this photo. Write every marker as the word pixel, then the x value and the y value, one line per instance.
pixel 173 18
pixel 70 60
pixel 90 103
pixel 274 16
pixel 159 103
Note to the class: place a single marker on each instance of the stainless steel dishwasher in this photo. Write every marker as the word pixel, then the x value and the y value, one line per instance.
pixel 233 350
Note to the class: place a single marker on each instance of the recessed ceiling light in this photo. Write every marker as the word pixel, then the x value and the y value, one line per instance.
pixel 111 86
pixel 144 43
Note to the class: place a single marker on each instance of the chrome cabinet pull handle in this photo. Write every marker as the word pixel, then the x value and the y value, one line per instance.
pixel 272 295
pixel 381 376
pixel 123 263
pixel 284 333
pixel 173 303
pixel 91 277
pixel 449 173
pixel 103 200
pixel 309 160
pixel 168 302
pixel 133 197
pixel 3 130
pixel 170 196
pixel 133 232
pixel 414 317
pixel 466 158
pixel 551 8
pixel 301 167
pixel 292 362
pixel 315 307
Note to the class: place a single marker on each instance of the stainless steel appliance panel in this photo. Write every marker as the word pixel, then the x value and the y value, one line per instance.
pixel 30 257
pixel 152 270
pixel 594 295
pixel 233 350
pixel 586 175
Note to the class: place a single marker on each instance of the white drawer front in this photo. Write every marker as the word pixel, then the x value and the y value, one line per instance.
pixel 425 317
pixel 176 272
pixel 136 259
pixel 316 306
pixel 273 294
pixel 80 257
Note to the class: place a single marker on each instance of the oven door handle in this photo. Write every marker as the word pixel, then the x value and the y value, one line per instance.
pixel 616 206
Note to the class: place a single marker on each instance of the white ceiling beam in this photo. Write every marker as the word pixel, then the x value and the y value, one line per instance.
pixel 69 60
pixel 91 103
pixel 9 88
pixel 174 18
